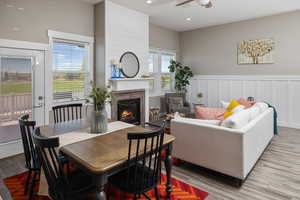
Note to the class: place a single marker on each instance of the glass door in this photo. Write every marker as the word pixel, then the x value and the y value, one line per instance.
pixel 21 90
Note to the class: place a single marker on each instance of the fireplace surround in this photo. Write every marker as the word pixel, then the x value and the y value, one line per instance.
pixel 128 106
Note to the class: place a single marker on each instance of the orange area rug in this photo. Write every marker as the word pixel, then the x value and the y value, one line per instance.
pixel 181 190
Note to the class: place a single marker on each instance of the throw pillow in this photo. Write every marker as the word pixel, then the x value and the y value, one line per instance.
pixel 209 113
pixel 237 120
pixel 234 106
pixel 227 114
pixel 246 103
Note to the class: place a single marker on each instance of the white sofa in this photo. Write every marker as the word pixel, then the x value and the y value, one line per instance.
pixel 233 152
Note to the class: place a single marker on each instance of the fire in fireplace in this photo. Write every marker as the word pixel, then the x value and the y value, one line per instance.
pixel 129 111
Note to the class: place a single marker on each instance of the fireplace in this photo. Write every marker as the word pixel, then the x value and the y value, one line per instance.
pixel 129 111
pixel 128 106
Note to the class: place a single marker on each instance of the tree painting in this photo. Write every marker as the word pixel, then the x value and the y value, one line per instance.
pixel 256 51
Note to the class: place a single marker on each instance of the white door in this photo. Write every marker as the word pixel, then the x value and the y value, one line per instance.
pixel 22 89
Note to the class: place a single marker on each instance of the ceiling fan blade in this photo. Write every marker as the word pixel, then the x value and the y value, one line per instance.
pixel 185 2
pixel 161 2
pixel 209 5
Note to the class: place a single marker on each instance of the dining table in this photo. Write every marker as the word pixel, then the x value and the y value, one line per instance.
pixel 101 155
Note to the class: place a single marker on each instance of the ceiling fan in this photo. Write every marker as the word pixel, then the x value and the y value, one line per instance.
pixel 203 3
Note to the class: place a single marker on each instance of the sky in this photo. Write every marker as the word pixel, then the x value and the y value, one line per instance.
pixel 21 65
pixel 68 56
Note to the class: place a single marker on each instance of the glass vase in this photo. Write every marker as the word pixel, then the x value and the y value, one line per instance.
pixel 98 120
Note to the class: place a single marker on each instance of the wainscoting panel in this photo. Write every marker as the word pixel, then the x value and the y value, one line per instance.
pixel 281 91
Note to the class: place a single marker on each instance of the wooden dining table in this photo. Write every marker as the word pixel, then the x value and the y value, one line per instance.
pixel 103 155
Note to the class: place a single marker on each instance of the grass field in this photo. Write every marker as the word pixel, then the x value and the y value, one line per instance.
pixel 25 87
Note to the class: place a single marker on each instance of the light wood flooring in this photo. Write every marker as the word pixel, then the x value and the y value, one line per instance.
pixel 276 175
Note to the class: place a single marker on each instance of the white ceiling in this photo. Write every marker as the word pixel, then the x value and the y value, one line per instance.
pixel 166 14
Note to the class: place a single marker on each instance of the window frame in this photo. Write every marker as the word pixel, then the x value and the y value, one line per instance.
pixel 157 73
pixel 68 37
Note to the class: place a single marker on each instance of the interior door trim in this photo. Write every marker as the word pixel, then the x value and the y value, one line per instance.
pixel 23 45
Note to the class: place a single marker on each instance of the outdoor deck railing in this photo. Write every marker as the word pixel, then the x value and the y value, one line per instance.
pixel 13 106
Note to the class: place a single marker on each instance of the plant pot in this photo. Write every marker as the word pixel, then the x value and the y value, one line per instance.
pixel 98 121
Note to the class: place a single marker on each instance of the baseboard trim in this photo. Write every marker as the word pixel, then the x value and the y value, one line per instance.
pixel 11 149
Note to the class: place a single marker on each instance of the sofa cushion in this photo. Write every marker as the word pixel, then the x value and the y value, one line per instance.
pixel 262 106
pixel 209 113
pixel 198 121
pixel 254 112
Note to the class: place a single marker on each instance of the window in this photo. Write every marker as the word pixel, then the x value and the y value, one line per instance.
pixel 70 70
pixel 159 68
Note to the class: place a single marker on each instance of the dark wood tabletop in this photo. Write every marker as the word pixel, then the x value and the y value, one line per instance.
pixel 105 152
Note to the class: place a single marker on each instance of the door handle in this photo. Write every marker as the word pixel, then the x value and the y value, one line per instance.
pixel 38 106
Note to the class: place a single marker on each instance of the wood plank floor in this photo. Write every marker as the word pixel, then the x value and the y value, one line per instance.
pixel 276 176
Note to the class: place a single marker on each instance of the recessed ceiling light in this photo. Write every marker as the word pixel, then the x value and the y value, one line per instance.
pixel 149 1
pixel 16 29
pixel 188 19
pixel 21 9
pixel 9 5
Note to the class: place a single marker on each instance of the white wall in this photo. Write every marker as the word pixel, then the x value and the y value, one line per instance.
pixel 280 91
pixel 163 38
pixel 32 23
pixel 126 30
pixel 100 43
pixel 213 50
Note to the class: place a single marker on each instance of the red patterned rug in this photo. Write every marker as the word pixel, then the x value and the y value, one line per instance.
pixel 181 190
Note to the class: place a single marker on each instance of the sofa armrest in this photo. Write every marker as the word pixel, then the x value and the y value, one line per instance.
pixel 258 134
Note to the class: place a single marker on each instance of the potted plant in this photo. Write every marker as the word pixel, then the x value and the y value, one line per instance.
pixel 98 115
pixel 200 96
pixel 182 75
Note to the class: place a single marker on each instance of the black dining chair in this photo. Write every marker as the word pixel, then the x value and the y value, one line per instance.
pixel 32 163
pixel 67 112
pixel 143 169
pixel 71 186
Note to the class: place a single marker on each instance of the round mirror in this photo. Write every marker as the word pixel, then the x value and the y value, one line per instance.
pixel 130 65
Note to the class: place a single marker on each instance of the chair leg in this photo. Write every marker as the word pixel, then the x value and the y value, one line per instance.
pixel 146 196
pixel 31 192
pixel 27 182
pixel 68 167
pixel 157 196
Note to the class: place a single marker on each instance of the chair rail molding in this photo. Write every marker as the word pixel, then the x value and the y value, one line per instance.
pixel 280 91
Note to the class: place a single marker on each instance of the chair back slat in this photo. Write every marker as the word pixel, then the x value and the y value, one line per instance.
pixel 145 167
pixel 67 112
pixel 47 152
pixel 26 129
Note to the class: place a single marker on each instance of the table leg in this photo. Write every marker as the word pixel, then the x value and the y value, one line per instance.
pixel 101 181
pixel 168 166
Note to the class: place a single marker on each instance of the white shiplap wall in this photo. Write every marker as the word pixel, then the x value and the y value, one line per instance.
pixel 281 91
pixel 125 30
